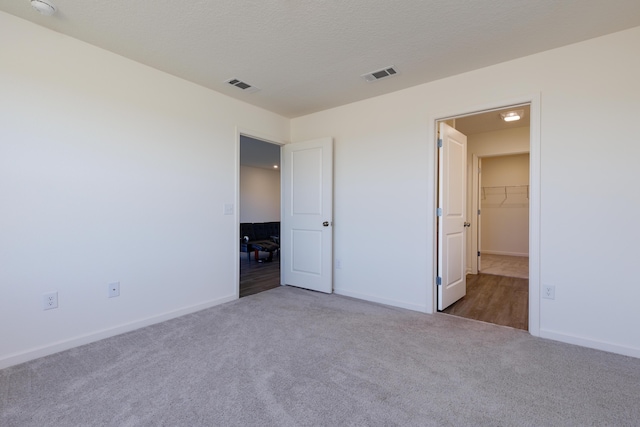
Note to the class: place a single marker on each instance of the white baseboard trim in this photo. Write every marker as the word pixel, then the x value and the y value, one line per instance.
pixel 586 342
pixel 35 353
pixel 525 254
pixel 371 298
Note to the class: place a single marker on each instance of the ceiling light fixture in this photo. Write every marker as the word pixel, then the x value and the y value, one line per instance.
pixel 512 116
pixel 44 7
pixel 275 166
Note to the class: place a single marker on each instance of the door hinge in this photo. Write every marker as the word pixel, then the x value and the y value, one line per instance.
pixel 439 212
pixel 478 211
pixel 439 281
pixel 478 253
pixel 439 142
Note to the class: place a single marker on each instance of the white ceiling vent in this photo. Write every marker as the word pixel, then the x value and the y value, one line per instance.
pixel 380 74
pixel 246 87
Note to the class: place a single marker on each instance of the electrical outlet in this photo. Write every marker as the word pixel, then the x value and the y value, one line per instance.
pixel 549 292
pixel 114 289
pixel 50 300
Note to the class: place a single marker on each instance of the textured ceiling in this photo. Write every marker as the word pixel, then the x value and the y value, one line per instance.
pixel 308 55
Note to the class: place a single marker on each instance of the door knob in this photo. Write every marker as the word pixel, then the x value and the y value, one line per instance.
pixel 325 224
pixel 467 224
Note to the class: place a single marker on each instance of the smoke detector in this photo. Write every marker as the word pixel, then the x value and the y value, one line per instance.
pixel 380 74
pixel 44 7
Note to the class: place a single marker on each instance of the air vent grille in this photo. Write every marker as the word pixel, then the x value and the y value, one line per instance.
pixel 245 87
pixel 380 74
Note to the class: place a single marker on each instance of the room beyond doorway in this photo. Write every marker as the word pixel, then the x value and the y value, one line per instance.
pixel 259 213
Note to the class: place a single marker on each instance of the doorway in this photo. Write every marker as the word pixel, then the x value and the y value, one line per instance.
pixel 494 294
pixel 259 213
pixel 503 213
pixel 304 249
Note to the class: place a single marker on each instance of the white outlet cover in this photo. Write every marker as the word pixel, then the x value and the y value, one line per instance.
pixel 50 301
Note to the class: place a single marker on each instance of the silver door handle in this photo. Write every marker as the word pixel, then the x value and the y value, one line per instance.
pixel 467 224
pixel 325 224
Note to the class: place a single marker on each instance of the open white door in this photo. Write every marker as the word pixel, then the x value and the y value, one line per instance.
pixel 452 162
pixel 307 208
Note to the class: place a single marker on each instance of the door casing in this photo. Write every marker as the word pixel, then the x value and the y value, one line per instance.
pixel 534 202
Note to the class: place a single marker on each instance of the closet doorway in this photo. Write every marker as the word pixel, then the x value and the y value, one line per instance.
pixel 497 241
pixel 503 222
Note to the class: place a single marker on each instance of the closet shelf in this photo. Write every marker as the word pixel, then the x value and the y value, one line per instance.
pixel 505 195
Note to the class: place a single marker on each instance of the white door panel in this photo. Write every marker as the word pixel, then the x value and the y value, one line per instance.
pixel 452 160
pixel 307 209
pixel 306 183
pixel 308 259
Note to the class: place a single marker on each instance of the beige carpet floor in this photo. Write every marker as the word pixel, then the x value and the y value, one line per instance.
pixel 504 265
pixel 289 357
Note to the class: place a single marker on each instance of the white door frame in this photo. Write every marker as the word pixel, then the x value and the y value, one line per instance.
pixel 236 247
pixel 472 266
pixel 534 202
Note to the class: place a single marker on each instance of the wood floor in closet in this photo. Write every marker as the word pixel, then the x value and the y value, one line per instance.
pixel 494 299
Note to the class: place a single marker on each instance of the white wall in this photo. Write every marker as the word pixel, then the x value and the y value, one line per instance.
pixel 384 185
pixel 498 143
pixel 505 205
pixel 110 171
pixel 259 194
